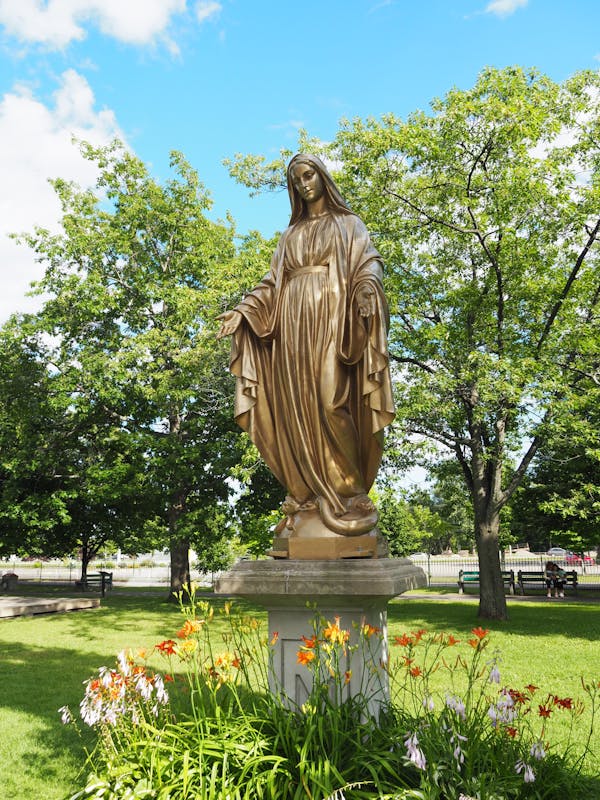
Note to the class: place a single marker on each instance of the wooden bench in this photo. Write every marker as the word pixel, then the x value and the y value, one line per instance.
pixel 472 576
pixel 538 578
pixel 97 580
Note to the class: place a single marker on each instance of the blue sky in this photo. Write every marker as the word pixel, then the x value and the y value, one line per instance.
pixel 215 78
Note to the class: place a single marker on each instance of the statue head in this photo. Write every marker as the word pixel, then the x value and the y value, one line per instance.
pixel 334 199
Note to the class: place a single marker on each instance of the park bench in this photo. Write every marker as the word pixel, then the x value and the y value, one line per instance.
pixel 472 576
pixel 538 578
pixel 97 580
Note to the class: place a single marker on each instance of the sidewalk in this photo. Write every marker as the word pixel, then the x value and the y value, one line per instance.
pixel 454 597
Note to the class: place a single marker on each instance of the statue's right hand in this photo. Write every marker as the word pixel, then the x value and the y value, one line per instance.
pixel 230 322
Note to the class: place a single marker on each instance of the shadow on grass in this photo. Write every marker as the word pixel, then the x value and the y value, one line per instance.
pixel 529 619
pixel 36 681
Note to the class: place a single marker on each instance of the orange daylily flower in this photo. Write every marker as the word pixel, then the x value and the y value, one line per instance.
pixel 511 731
pixel 274 638
pixel 167 647
pixel 190 626
pixel 305 657
pixel 334 634
pixel 544 711
pixel 452 640
pixel 517 696
pixel 403 640
pixel 310 643
pixel 531 688
pixel 415 672
pixel 565 702
pixel 418 635
pixel 370 630
pixel 479 632
pixel 347 676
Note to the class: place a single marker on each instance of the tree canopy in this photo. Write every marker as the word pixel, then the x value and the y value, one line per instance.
pixel 134 281
pixel 485 210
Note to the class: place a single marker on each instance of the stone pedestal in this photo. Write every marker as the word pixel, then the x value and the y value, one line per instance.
pixel 356 591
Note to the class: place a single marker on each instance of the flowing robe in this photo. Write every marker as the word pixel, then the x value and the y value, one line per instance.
pixel 313 386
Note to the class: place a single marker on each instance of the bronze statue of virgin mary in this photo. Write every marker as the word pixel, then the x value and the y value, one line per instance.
pixel 309 353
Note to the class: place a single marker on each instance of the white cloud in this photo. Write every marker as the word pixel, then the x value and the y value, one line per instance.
pixel 205 9
pixel 55 23
pixel 504 8
pixel 37 145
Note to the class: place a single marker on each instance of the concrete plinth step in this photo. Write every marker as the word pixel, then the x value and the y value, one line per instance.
pixel 27 606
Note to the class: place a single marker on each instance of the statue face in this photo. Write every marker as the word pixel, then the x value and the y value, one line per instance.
pixel 307 182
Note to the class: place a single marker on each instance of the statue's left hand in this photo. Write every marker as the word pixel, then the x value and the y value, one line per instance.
pixel 365 300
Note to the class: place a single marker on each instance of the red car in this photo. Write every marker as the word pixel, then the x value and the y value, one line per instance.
pixel 576 560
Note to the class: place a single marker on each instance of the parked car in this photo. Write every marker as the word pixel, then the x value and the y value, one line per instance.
pixel 576 560
pixel 418 555
pixel 557 552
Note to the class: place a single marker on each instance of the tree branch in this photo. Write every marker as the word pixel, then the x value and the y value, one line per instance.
pixel 415 361
pixel 567 287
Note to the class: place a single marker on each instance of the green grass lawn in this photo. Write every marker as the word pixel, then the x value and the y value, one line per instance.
pixel 45 659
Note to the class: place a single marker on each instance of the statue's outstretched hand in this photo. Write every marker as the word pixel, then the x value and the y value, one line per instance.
pixel 230 322
pixel 365 300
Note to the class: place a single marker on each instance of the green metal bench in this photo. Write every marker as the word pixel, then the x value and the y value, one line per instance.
pixel 472 576
pixel 97 580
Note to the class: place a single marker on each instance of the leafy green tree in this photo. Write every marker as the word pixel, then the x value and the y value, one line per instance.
pixel 72 480
pixel 559 503
pixel 134 281
pixel 258 501
pixel 486 213
pixel 407 525
pixel 32 498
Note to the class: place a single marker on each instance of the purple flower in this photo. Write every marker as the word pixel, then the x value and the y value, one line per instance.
pixel 494 674
pixel 414 752
pixel 457 705
pixel 458 753
pixel 528 773
pixel 537 750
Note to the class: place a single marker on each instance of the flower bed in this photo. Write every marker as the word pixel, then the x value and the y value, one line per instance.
pixel 211 727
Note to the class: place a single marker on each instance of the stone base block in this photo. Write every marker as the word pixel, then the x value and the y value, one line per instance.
pixel 294 582
pixel 357 592
pixel 326 548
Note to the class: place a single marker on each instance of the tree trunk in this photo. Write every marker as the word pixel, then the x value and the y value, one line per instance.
pixel 180 565
pixel 492 600
pixel 86 557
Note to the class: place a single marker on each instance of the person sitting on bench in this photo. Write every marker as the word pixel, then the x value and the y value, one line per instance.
pixel 555 579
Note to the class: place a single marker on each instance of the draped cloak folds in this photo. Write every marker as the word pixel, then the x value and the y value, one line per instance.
pixel 313 386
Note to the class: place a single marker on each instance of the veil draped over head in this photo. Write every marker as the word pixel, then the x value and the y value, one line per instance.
pixel 335 201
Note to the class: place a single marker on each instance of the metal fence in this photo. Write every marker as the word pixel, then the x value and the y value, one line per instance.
pixel 440 570
pixel 443 570
pixel 126 573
